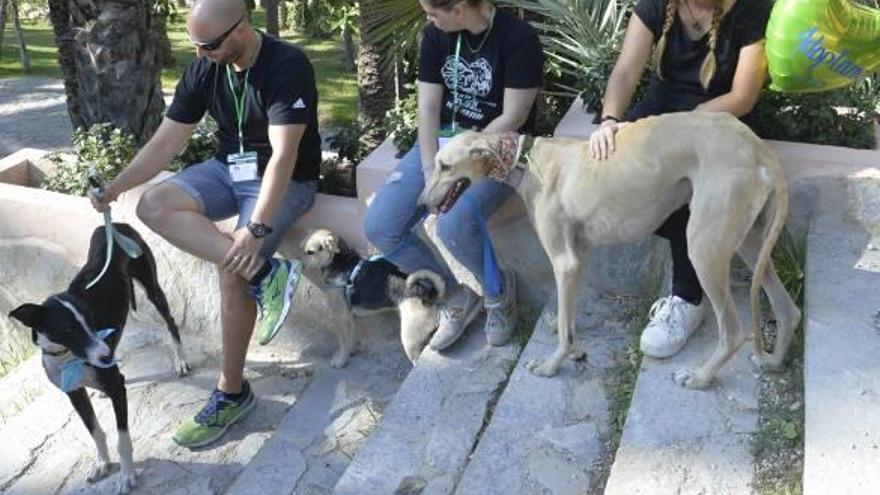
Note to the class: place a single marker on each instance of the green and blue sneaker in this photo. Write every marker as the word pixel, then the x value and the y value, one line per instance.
pixel 215 418
pixel 274 295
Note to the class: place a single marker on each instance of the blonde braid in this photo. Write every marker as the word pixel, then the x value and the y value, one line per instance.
pixel 707 70
pixel 660 47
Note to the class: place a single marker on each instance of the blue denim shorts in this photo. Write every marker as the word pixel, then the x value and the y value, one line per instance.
pixel 220 198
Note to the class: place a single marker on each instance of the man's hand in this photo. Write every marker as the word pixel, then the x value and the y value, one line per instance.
pixel 101 200
pixel 602 142
pixel 243 257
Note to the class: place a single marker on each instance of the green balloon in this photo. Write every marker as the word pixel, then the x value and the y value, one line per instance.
pixel 817 45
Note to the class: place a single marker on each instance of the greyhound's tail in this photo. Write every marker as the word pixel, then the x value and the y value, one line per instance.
pixel 777 207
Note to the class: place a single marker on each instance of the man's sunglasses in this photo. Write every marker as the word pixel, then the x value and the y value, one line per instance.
pixel 215 44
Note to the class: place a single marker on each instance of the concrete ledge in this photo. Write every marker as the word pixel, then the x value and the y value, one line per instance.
pixel 546 434
pixel 430 428
pixel 373 169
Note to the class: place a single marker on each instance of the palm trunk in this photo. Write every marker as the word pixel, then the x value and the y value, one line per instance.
pixel 22 49
pixel 283 21
pixel 111 57
pixel 271 7
pixel 348 51
pixel 2 23
pixel 375 88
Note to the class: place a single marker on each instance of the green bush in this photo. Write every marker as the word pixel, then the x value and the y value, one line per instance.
pixel 347 143
pixel 842 117
pixel 201 146
pixel 402 121
pixel 101 149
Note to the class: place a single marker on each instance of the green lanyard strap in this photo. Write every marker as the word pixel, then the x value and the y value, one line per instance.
pixel 455 82
pixel 239 104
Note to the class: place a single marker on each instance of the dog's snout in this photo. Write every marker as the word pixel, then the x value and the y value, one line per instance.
pixel 310 252
pixel 107 360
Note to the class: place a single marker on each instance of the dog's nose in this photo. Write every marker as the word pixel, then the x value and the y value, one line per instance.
pixel 107 360
pixel 310 252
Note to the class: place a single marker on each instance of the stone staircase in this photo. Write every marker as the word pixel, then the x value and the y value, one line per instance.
pixel 473 420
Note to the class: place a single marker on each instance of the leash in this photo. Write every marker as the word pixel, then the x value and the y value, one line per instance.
pixel 131 248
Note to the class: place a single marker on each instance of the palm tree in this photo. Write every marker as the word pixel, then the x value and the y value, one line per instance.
pixel 111 57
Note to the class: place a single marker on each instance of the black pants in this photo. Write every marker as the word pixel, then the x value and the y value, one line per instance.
pixel 685 283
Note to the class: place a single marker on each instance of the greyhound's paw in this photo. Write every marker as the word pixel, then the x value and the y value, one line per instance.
pixel 339 360
pixel 98 471
pixel 576 354
pixel 689 378
pixel 766 363
pixel 546 369
pixel 127 483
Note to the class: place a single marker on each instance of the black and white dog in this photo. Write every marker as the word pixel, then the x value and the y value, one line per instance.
pixel 68 327
pixel 357 286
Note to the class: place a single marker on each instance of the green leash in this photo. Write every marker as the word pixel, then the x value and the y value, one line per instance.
pixel 131 248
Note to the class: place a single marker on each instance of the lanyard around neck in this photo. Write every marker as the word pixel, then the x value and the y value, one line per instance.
pixel 239 104
pixel 455 81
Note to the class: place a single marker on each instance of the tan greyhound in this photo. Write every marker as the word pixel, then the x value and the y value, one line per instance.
pixel 732 179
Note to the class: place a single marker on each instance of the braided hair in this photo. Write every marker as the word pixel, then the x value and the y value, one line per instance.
pixel 707 70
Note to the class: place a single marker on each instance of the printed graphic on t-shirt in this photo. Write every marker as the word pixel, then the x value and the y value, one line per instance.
pixel 474 86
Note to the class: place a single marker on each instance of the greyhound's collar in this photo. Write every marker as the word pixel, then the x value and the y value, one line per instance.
pixel 512 159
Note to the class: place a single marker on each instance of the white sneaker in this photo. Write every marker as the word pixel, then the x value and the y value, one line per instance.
pixel 673 321
pixel 456 313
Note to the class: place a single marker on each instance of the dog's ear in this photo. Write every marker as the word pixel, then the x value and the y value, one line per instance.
pixel 331 242
pixel 31 315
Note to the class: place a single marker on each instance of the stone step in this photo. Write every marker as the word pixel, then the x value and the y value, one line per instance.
pixel 432 425
pixel 690 442
pixel 331 420
pixel 841 372
pixel 546 434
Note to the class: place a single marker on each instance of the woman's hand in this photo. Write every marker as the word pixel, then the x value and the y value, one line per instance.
pixel 602 140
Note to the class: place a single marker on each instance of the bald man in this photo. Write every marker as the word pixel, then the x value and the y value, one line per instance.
pixel 261 92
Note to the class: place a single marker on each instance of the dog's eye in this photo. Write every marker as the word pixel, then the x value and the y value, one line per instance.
pixel 445 167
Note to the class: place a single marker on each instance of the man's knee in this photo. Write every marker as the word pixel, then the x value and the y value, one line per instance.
pixel 231 283
pixel 151 210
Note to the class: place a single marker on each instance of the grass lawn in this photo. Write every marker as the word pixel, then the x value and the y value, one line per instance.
pixel 337 89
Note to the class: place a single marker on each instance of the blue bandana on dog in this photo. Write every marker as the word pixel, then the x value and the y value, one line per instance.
pixel 74 371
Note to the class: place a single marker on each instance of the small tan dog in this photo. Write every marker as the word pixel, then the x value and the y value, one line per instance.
pixel 356 286
pixel 733 181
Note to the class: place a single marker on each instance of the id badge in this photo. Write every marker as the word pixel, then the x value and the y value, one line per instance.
pixel 444 136
pixel 243 166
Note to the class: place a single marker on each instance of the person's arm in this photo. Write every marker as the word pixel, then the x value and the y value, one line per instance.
pixel 748 79
pixel 517 104
pixel 430 102
pixel 152 158
pixel 622 84
pixel 284 140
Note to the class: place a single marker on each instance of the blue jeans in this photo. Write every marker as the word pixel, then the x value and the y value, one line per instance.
pixel 394 212
pixel 220 198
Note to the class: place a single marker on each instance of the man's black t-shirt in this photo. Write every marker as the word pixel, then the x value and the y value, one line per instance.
pixel 510 57
pixel 680 88
pixel 280 91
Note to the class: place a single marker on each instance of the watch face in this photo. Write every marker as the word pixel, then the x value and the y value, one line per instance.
pixel 257 229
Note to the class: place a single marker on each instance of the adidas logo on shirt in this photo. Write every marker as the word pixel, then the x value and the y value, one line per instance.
pixel 298 103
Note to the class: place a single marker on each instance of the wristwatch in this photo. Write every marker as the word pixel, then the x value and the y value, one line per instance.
pixel 259 230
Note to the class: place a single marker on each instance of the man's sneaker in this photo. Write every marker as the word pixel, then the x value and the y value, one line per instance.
pixel 455 314
pixel 215 418
pixel 673 321
pixel 274 296
pixel 501 312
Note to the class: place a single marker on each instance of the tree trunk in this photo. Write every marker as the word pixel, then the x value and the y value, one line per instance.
pixel 22 49
pixel 283 12
pixel 181 4
pixel 271 7
pixel 348 51
pixel 375 88
pixel 2 23
pixel 110 53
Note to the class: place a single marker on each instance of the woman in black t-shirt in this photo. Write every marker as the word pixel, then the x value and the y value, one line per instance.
pixel 709 56
pixel 479 68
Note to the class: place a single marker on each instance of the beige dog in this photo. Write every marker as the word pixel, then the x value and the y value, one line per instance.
pixel 356 286
pixel 738 200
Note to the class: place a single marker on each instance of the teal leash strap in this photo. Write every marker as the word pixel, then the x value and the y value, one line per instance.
pixel 131 248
